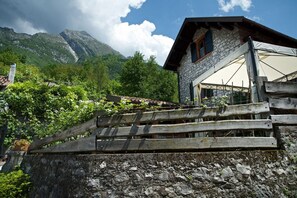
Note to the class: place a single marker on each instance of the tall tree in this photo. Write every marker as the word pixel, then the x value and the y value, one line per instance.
pixel 133 75
pixel 8 57
pixel 145 78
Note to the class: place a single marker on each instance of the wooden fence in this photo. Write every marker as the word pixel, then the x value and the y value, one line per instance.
pixel 233 127
pixel 282 97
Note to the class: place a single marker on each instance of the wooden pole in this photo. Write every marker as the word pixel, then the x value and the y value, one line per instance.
pixel 252 63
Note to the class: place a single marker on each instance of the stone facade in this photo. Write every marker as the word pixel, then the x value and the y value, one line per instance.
pixel 224 42
pixel 253 173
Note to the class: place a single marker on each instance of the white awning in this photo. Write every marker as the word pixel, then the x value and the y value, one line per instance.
pixel 275 62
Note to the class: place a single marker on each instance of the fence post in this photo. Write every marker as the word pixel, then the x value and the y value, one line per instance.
pixel 261 89
pixel 252 66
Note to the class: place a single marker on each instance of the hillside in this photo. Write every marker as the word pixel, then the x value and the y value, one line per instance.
pixel 42 48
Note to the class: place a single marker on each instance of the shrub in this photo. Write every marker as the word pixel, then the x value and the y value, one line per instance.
pixel 14 184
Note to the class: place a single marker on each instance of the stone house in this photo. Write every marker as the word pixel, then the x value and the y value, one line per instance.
pixel 203 42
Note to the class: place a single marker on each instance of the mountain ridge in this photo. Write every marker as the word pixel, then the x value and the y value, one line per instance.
pixel 69 46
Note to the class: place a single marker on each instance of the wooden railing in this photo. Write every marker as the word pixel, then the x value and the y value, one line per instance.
pixel 282 97
pixel 181 130
pixel 191 129
pixel 230 127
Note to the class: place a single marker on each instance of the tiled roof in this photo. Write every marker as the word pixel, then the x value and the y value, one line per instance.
pixel 4 81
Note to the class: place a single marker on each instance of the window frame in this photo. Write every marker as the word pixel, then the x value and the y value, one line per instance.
pixel 198 42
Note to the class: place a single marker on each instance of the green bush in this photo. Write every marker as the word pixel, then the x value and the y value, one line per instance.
pixel 14 184
pixel 37 110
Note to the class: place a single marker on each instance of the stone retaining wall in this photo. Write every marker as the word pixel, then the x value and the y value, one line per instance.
pixel 270 173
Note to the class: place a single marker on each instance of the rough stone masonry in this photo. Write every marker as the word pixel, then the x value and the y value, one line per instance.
pixel 224 43
pixel 257 173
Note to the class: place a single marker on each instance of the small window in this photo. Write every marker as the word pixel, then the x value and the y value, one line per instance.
pixel 202 46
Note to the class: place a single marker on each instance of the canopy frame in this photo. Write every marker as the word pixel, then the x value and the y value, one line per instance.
pixel 249 51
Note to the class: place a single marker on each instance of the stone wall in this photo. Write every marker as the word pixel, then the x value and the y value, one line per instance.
pixel 270 173
pixel 224 42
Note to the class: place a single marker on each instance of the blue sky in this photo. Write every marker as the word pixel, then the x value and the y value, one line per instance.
pixel 148 26
pixel 168 15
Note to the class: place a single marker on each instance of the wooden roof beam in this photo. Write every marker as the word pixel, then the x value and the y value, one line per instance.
pixel 227 26
pixel 179 49
pixel 215 25
pixel 179 52
pixel 185 39
pixel 205 25
pixel 173 64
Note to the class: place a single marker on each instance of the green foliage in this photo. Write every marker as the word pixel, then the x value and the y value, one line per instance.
pixel 28 73
pixel 24 72
pixel 290 192
pixel 97 75
pixel 125 106
pixel 8 57
pixel 46 100
pixel 146 79
pixel 216 101
pixel 63 73
pixel 14 184
pixel 39 110
pixel 133 75
pixel 113 63
pixel 93 75
pixel 159 83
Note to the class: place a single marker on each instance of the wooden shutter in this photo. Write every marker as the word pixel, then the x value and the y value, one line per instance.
pixel 194 52
pixel 191 92
pixel 208 42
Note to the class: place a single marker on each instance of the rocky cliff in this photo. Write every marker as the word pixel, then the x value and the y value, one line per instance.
pixel 42 48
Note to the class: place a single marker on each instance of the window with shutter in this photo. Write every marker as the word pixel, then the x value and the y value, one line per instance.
pixel 194 52
pixel 208 42
pixel 191 91
pixel 202 46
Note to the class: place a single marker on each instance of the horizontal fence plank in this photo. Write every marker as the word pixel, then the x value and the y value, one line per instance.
pixel 182 114
pixel 87 144
pixel 283 103
pixel 185 144
pixel 281 87
pixel 73 131
pixel 286 119
pixel 184 128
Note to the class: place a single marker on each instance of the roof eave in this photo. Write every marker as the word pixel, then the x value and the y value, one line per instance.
pixel 172 62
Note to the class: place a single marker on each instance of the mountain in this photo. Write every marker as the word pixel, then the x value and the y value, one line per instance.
pixel 41 49
pixel 84 45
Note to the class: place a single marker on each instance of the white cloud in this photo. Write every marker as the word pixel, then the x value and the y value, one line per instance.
pixel 138 37
pixel 227 6
pixel 103 20
pixel 25 26
pixel 255 18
